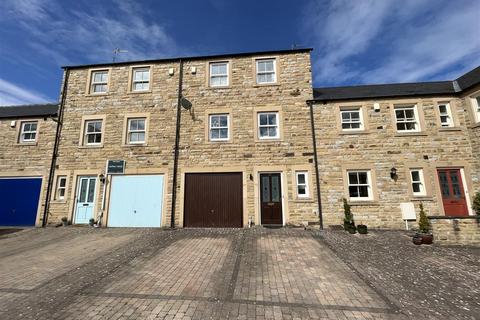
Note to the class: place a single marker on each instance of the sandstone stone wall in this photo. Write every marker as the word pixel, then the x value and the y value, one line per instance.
pixel 27 159
pixel 381 148
pixel 456 231
pixel 243 153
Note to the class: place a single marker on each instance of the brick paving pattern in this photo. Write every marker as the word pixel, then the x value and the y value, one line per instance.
pixel 184 274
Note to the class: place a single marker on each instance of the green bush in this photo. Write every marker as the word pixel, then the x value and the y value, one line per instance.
pixel 348 219
pixel 423 223
pixel 476 203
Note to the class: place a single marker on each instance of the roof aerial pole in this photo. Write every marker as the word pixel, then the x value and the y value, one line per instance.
pixel 116 51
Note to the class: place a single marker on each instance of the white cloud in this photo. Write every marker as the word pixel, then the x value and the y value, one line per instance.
pixel 11 94
pixel 69 35
pixel 368 41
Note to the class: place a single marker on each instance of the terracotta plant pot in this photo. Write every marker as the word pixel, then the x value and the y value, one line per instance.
pixel 362 229
pixel 417 239
pixel 427 238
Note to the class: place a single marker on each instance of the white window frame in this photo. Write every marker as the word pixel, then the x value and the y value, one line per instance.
pixel 94 83
pixel 416 119
pixel 23 132
pixel 130 131
pixel 305 185
pixel 61 188
pixel 447 113
pixel 420 182
pixel 86 133
pixel 360 119
pixel 219 75
pixel 210 127
pixel 277 125
pixel 134 81
pixel 274 72
pixel 368 185
pixel 476 108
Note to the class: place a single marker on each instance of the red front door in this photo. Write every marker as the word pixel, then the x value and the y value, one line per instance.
pixel 453 195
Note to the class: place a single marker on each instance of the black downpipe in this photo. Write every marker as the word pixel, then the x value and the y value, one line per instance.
pixel 55 148
pixel 315 158
pixel 177 142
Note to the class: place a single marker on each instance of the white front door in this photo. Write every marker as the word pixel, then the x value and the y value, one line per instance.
pixel 85 199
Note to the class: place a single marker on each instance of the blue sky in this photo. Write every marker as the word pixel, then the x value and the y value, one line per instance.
pixel 354 41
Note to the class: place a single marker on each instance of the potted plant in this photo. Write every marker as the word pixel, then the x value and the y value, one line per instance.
pixel 424 227
pixel 476 205
pixel 348 223
pixel 91 222
pixel 64 221
pixel 362 229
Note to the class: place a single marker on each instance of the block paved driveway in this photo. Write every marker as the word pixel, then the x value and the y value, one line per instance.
pixel 83 273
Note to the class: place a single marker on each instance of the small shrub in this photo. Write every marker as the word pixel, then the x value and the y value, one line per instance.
pixel 423 223
pixel 348 222
pixel 476 203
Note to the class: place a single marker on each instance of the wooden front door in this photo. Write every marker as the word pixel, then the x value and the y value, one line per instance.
pixel 213 200
pixel 453 195
pixel 271 198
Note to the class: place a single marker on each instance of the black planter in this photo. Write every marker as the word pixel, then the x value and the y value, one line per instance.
pixel 352 229
pixel 362 229
pixel 417 239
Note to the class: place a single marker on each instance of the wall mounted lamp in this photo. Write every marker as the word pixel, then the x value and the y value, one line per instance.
pixel 393 173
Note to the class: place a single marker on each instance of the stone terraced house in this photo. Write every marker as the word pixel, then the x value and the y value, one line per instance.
pixel 226 141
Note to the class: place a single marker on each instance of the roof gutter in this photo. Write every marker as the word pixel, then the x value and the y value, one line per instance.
pixel 55 148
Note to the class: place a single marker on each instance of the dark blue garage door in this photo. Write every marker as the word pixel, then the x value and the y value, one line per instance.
pixel 19 201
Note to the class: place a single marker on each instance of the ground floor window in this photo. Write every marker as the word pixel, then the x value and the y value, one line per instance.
pixel 359 184
pixel 418 184
pixel 302 184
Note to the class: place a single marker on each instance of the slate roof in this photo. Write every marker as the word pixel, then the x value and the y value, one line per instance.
pixel 172 59
pixel 31 110
pixel 437 88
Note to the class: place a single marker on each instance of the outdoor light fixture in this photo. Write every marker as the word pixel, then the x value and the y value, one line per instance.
pixel 187 105
pixel 251 177
pixel 393 173
pixel 102 178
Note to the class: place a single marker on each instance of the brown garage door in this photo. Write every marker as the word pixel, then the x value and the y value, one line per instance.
pixel 213 200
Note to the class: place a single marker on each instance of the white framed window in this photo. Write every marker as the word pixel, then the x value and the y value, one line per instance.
pixel 418 182
pixel 268 127
pixel 99 81
pixel 61 187
pixel 302 184
pixel 445 114
pixel 266 71
pixel 141 79
pixel 28 131
pixel 219 74
pixel 93 132
pixel 136 130
pixel 359 185
pixel 351 119
pixel 476 108
pixel 407 118
pixel 219 127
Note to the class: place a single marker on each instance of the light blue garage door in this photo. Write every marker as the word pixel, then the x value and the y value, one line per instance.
pixel 136 201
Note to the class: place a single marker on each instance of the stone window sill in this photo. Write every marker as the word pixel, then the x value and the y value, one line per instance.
pixel 410 134
pixel 303 200
pixel 343 133
pixel 91 147
pixel 422 198
pixel 27 144
pixel 259 85
pixel 139 92
pixel 134 145
pixel 363 203
pixel 446 129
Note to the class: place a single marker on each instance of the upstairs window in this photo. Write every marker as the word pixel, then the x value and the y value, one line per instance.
pixel 445 114
pixel 218 130
pixel 302 184
pixel 476 108
pixel 352 119
pixel 141 79
pixel 61 187
pixel 268 125
pixel 359 185
pixel 407 119
pixel 266 71
pixel 28 132
pixel 93 132
pixel 219 74
pixel 99 81
pixel 418 184
pixel 136 131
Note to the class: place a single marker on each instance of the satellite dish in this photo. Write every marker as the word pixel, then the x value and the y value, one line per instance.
pixel 185 103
